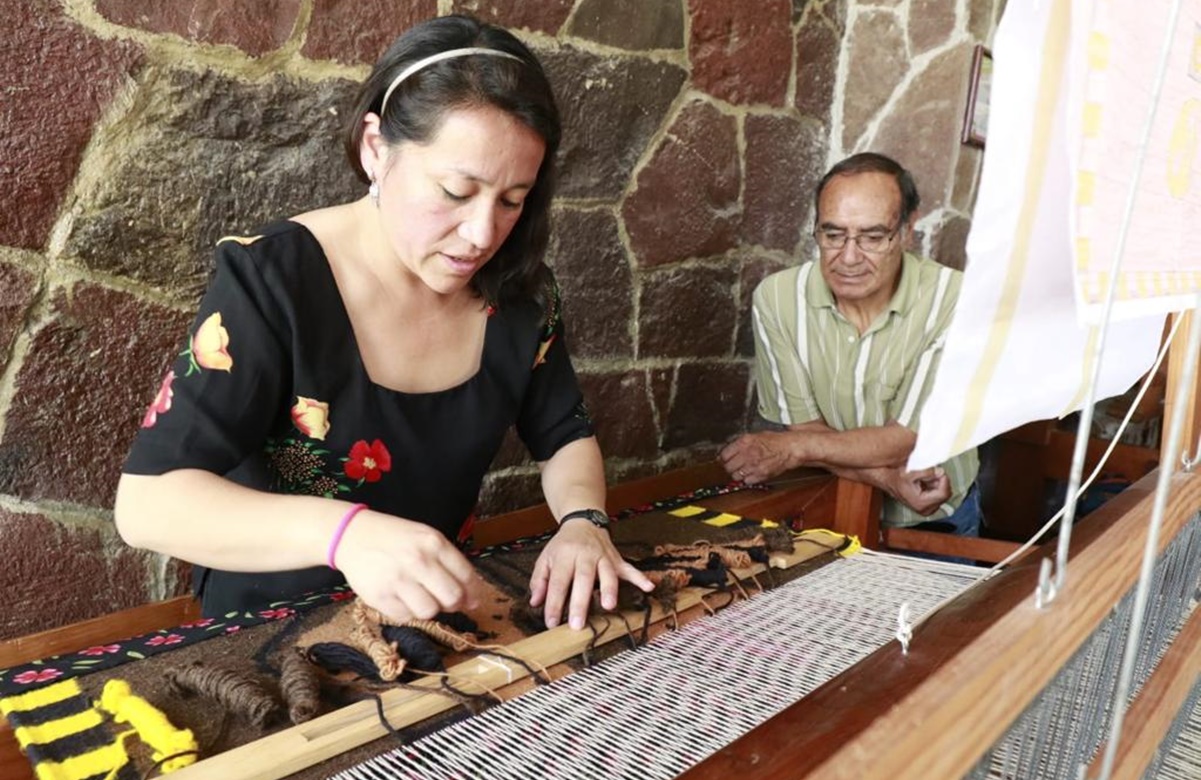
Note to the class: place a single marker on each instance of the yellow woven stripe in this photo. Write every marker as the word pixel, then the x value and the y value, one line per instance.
pixel 768 524
pixel 99 761
pixel 1098 50
pixel 1092 119
pixel 1084 253
pixel 57 729
pixel 42 697
pixel 688 511
pixel 1086 188
pixel 723 519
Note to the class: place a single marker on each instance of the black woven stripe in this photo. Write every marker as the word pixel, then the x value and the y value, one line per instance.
pixel 60 709
pixel 72 745
pixel 708 514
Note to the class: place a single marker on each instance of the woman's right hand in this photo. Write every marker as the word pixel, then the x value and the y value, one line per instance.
pixel 403 568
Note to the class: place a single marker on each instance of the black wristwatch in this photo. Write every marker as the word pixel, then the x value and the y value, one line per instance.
pixel 594 516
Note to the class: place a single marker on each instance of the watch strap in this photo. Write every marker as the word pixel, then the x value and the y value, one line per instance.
pixel 594 516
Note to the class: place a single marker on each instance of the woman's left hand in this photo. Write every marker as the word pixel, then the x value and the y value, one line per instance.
pixel 578 556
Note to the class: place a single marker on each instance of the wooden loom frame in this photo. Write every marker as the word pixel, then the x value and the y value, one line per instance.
pixel 826 497
pixel 972 669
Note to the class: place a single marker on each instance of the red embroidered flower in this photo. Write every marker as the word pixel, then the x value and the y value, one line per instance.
pixel 232 629
pixel 100 650
pixel 277 614
pixel 344 595
pixel 199 623
pixel 33 675
pixel 169 639
pixel 368 461
pixel 161 403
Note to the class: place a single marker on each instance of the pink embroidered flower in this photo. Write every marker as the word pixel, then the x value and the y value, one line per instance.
pixel 311 417
pixel 277 614
pixel 37 676
pixel 199 623
pixel 367 462
pixel 232 629
pixel 169 639
pixel 100 649
pixel 161 403
pixel 209 345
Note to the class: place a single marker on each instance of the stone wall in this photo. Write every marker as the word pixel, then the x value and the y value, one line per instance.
pixel 134 134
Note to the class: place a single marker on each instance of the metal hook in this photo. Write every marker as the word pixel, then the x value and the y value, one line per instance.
pixel 904 628
pixel 1044 594
pixel 1187 463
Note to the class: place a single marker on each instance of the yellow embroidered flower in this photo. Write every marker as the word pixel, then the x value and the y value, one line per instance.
pixel 209 345
pixel 311 417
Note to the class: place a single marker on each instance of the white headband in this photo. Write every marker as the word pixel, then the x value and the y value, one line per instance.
pixel 430 60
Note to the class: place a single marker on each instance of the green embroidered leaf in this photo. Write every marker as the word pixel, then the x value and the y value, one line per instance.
pixel 229 615
pixel 134 654
pixel 79 664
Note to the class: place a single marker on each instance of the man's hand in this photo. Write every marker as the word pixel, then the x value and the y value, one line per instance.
pixel 923 491
pixel 757 457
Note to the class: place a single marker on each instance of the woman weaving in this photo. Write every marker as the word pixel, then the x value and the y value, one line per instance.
pixel 352 371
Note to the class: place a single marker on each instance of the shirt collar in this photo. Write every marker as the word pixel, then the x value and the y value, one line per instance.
pixel 818 294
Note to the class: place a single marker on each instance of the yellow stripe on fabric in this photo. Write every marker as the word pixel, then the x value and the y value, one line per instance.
pixel 1084 253
pixel 42 697
pixel 688 511
pixel 1098 50
pixel 723 519
pixel 1086 188
pixel 1092 120
pixel 96 762
pixel 57 729
pixel 1086 371
pixel 1054 49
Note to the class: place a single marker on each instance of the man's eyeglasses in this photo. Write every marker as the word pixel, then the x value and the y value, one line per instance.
pixel 871 241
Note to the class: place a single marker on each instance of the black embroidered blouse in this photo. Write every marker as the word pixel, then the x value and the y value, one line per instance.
pixel 271 392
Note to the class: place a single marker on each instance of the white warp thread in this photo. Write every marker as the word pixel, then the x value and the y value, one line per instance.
pixel 655 712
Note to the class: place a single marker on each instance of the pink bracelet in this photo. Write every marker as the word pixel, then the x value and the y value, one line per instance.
pixel 341 529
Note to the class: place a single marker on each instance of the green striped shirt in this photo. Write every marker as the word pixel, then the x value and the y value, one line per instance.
pixel 812 364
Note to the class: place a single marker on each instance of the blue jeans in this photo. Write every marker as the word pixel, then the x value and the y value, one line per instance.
pixel 965 521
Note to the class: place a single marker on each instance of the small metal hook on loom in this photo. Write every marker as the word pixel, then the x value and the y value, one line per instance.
pixel 904 628
pixel 1187 463
pixel 1044 594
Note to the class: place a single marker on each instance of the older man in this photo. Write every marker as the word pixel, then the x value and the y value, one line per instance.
pixel 846 350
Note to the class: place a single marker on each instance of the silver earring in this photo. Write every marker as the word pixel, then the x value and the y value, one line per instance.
pixel 373 192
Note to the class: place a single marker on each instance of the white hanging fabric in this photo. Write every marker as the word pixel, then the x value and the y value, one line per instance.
pixel 1016 350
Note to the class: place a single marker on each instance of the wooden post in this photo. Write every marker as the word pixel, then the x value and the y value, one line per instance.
pixel 857 512
pixel 1188 396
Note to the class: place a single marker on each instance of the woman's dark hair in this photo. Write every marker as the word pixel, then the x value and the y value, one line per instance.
pixel 417 107
pixel 873 162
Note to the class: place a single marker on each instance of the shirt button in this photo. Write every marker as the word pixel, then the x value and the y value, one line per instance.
pixel 850 339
